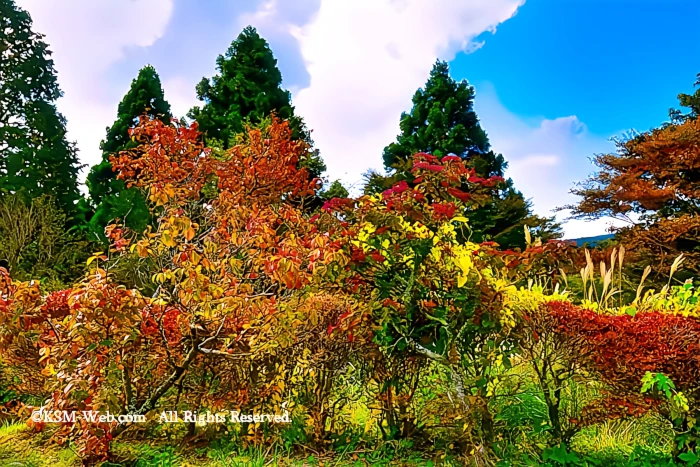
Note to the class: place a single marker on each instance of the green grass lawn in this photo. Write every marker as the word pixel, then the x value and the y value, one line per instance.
pixel 613 443
pixel 21 447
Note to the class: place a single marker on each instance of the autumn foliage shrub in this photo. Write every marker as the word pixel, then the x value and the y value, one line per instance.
pixel 326 334
pixel 625 347
pixel 21 370
pixel 246 301
pixel 434 297
pixel 624 350
pixel 599 347
pixel 556 362
pixel 221 269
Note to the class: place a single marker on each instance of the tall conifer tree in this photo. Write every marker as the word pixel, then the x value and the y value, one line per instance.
pixel 443 121
pixel 248 88
pixel 110 197
pixel 35 155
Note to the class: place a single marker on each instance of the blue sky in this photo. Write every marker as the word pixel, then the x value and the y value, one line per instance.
pixel 615 64
pixel 555 79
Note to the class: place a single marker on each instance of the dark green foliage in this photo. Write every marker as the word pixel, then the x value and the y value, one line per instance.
pixel 690 101
pixel 247 86
pixel 247 89
pixel 36 241
pixel 503 220
pixel 312 161
pixel 335 190
pixel 441 122
pixel 110 197
pixel 145 96
pixel 375 182
pixel 35 156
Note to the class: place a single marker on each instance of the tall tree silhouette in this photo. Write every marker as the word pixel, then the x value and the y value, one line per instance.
pixel 443 121
pixel 110 197
pixel 35 155
pixel 248 88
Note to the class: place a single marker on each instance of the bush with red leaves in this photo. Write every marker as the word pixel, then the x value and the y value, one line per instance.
pixel 548 259
pixel 56 304
pixel 626 347
pixel 150 327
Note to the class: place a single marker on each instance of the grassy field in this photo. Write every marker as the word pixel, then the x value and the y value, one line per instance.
pixel 21 447
pixel 642 442
pixel 627 443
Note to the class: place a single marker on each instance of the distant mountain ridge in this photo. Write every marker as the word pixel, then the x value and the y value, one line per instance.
pixel 591 241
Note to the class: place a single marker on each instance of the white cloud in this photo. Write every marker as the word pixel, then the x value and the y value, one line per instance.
pixel 278 22
pixel 546 157
pixel 354 66
pixel 87 37
pixel 366 58
pixel 180 93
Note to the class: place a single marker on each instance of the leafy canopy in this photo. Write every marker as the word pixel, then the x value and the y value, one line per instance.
pixel 652 182
pixel 441 122
pixel 247 89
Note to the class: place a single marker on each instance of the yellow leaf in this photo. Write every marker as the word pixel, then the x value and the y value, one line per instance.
pixel 49 370
pixel 168 240
pixel 45 353
pixel 461 280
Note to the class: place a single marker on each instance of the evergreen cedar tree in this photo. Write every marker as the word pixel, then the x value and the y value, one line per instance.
pixel 653 175
pixel 441 122
pixel 335 190
pixel 37 158
pixel 247 89
pixel 110 196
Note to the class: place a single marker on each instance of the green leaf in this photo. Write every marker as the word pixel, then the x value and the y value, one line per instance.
pixel 561 454
pixel 435 318
pixel 689 457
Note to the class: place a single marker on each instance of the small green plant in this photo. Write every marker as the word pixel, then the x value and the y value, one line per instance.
pixel 562 455
pixel 158 457
pixel 683 420
pixel 660 383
